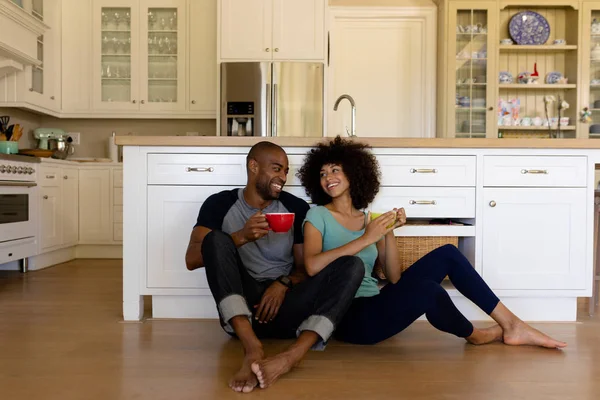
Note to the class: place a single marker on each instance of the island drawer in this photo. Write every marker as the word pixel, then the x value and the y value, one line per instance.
pixel 535 171
pixel 427 170
pixel 427 202
pixel 207 169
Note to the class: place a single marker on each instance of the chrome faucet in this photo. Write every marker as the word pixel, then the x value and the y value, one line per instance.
pixel 353 104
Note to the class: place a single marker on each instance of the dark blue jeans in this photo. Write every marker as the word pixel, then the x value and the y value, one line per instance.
pixel 317 304
pixel 373 319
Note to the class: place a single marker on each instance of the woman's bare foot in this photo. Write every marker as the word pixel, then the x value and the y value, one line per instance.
pixel 245 380
pixel 522 334
pixel 269 370
pixel 486 335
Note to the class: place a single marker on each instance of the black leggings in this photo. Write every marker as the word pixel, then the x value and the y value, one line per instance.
pixel 373 319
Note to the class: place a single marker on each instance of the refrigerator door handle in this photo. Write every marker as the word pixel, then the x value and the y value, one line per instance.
pixel 267 105
pixel 275 104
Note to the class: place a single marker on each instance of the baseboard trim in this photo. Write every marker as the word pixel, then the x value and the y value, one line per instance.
pixel 67 254
pixel 99 251
pixel 51 258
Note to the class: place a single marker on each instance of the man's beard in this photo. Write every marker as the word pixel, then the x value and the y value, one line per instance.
pixel 263 187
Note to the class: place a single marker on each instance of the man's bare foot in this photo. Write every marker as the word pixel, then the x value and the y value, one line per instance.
pixel 486 335
pixel 522 334
pixel 269 370
pixel 245 380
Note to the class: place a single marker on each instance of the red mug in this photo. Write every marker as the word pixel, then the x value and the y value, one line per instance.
pixel 280 222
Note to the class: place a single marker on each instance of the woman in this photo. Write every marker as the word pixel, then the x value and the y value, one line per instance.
pixel 342 178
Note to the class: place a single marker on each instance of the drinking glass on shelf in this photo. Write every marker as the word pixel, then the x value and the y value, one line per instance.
pixel 117 19
pixel 128 19
pixel 104 20
pixel 151 19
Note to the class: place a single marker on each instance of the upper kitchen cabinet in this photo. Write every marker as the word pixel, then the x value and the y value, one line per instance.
pixel 467 90
pixel 385 60
pixel 30 57
pixel 272 29
pixel 145 59
pixel 139 55
pixel 203 57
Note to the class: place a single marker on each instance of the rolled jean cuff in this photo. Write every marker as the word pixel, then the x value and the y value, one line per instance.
pixel 232 306
pixel 319 324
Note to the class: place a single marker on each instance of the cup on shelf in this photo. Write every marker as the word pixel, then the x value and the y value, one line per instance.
pixel 506 41
pixel 564 121
pixel 559 42
pixel 526 121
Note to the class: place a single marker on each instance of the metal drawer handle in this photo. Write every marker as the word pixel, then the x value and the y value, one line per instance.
pixel 423 171
pixel 534 171
pixel 50 176
pixel 423 202
pixel 194 169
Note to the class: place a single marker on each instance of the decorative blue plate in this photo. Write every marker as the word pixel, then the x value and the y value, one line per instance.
pixel 529 27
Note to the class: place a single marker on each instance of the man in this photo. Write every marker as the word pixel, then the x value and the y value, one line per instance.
pixel 257 277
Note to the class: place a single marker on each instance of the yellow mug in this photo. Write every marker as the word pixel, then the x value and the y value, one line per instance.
pixel 375 215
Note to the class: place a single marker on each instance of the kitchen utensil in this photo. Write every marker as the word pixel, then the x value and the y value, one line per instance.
pixel 4 120
pixel 17 133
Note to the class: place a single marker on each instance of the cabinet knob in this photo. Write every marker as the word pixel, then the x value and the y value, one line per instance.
pixel 133 101
pixel 45 197
pixel 193 101
pixel 31 89
pixel 490 108
pixel 143 102
pixel 492 203
pixel 276 49
pixel 65 177
pixel 267 49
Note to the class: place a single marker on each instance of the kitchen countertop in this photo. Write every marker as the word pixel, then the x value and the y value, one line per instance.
pixel 48 160
pixel 217 141
pixel 18 157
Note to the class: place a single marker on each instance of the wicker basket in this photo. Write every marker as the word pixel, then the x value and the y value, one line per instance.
pixel 412 248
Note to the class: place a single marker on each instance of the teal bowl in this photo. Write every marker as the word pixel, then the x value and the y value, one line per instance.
pixel 9 147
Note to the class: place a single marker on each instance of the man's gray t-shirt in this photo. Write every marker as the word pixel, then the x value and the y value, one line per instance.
pixel 270 256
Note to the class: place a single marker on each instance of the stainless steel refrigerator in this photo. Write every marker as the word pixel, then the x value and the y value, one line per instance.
pixel 272 99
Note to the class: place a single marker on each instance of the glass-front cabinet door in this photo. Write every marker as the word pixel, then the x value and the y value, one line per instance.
pixel 590 93
pixel 162 54
pixel 116 55
pixel 471 85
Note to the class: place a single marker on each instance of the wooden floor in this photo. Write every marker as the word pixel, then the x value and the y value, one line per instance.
pixel 61 337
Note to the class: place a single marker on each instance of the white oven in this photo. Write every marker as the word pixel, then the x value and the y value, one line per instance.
pixel 18 210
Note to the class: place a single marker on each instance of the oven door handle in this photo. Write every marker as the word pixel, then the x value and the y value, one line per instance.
pixel 19 184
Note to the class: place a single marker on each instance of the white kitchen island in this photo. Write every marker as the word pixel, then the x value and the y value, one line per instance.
pixel 527 205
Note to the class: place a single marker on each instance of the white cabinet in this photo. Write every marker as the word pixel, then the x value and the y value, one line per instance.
pixel 59 216
pixel 38 87
pixel 101 205
pixel 141 58
pixel 139 55
pixel 272 29
pixel 76 56
pixel 172 212
pixel 534 238
pixel 95 223
pixel 385 60
pixel 202 50
pixel 70 205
